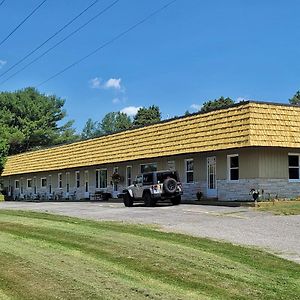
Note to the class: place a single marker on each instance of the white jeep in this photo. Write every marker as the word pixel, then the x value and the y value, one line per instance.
pixel 153 186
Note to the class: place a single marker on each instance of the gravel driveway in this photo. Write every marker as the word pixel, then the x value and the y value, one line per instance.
pixel 240 225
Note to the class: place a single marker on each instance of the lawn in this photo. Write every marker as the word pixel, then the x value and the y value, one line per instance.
pixel 45 256
pixel 281 207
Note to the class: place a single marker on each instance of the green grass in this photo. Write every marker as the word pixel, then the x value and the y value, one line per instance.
pixel 281 207
pixel 45 256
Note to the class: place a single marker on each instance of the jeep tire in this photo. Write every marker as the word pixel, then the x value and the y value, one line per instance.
pixel 148 200
pixel 127 199
pixel 170 185
pixel 176 200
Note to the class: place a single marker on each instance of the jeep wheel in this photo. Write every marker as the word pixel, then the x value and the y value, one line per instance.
pixel 176 200
pixel 148 200
pixel 170 186
pixel 127 199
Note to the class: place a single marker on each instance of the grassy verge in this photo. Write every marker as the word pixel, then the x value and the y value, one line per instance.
pixel 46 256
pixel 280 207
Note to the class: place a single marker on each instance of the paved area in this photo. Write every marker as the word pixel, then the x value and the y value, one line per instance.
pixel 240 225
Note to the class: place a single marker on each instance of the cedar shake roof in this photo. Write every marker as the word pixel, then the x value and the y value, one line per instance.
pixel 242 125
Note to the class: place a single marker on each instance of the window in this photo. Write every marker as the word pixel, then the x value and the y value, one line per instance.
pixel 171 165
pixel 22 185
pixel 115 184
pixel 77 178
pixel 233 167
pixel 17 184
pixel 86 180
pixel 128 175
pixel 29 183
pixel 101 179
pixel 59 180
pixel 294 167
pixel 50 184
pixel 43 182
pixel 68 181
pixel 97 179
pixel 34 185
pixel 189 170
pixel 148 167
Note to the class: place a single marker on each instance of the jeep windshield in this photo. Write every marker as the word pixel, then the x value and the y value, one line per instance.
pixel 162 176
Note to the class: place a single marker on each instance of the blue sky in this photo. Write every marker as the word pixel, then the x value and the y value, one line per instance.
pixel 191 52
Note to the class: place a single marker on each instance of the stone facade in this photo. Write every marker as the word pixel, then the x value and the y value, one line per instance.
pixel 268 188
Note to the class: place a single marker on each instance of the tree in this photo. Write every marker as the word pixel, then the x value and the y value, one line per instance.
pixel 3 153
pixel 115 121
pixel 31 120
pixel 296 99
pixel 90 130
pixel 147 116
pixel 217 103
pixel 123 121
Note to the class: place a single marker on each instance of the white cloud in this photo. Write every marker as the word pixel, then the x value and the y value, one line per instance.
pixel 113 83
pixel 196 106
pixel 239 99
pixel 2 63
pixel 131 111
pixel 116 101
pixel 95 83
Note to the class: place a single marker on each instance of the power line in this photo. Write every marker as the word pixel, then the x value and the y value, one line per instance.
pixel 2 2
pixel 109 42
pixel 48 39
pixel 61 41
pixel 6 38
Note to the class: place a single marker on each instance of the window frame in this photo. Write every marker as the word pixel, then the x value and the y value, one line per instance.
pixel 294 180
pixel 27 181
pixel 186 171
pixel 129 178
pixel 229 156
pixel 98 180
pixel 145 164
pixel 43 186
pixel 17 187
pixel 59 181
pixel 77 179
pixel 67 182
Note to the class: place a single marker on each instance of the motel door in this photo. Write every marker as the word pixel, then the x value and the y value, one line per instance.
pixel 211 177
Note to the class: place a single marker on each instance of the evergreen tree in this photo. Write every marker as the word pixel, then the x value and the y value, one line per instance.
pixel 147 116
pixel 296 99
pixel 217 103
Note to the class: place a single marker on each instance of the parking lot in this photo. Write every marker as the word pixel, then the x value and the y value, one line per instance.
pixel 240 225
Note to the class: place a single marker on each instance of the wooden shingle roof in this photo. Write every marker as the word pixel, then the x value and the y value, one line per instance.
pixel 242 125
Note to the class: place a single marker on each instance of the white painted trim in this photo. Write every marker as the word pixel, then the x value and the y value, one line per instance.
pixel 17 188
pixel 43 187
pixel 126 183
pixel 185 171
pixel 294 180
pixel 228 168
pixel 28 179
pixel 76 179
pixel 59 180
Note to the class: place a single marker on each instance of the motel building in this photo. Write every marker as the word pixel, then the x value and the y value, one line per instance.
pixel 223 154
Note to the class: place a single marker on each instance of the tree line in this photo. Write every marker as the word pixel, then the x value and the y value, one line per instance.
pixel 31 120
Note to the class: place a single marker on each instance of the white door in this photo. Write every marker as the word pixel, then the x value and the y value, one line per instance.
pixel 211 177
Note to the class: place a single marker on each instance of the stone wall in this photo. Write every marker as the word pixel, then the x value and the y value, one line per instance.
pixel 269 189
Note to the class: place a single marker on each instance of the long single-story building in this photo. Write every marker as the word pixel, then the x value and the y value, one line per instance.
pixel 223 154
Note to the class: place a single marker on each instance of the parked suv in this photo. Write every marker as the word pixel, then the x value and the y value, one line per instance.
pixel 153 186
